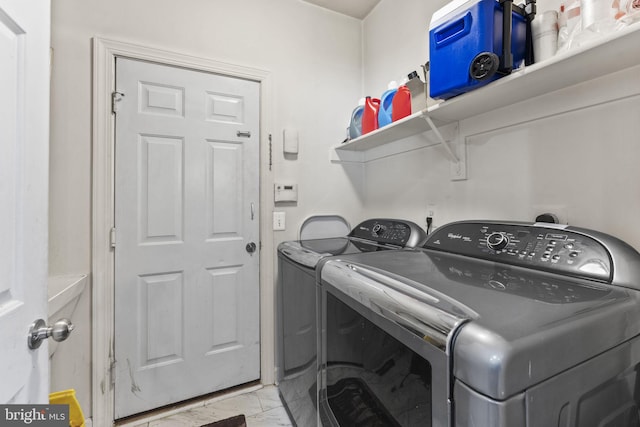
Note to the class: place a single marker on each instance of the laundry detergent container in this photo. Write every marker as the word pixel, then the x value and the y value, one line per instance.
pixel 465 46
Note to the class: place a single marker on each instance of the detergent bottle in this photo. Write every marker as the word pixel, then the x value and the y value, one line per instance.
pixel 384 114
pixel 401 104
pixel 370 114
pixel 355 125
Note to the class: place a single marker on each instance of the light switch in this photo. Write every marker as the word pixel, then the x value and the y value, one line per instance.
pixel 279 221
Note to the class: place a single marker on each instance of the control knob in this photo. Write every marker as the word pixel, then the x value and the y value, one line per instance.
pixel 497 241
pixel 378 229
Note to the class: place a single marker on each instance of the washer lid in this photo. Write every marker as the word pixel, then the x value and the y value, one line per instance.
pixel 324 226
pixel 310 252
pixel 428 314
pixel 513 327
pixel 531 325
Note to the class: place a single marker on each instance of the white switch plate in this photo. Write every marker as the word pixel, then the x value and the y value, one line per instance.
pixel 279 221
pixel 290 141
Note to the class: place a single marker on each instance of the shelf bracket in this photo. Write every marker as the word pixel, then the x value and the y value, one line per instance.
pixel 452 155
pixel 455 148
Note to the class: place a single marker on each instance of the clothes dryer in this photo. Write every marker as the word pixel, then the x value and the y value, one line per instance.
pixel 296 334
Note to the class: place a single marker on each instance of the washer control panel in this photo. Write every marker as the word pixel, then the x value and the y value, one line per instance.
pixel 540 246
pixel 390 231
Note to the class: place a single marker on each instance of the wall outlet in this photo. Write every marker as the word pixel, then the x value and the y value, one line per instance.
pixel 431 211
pixel 430 217
pixel 279 221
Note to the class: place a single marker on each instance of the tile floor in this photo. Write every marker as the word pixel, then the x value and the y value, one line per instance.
pixel 261 407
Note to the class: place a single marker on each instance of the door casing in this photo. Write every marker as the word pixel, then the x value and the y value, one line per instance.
pixel 105 52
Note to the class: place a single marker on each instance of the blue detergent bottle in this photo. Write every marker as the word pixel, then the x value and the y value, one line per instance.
pixel 386 106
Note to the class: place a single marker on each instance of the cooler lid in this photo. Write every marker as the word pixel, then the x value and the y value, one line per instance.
pixel 451 9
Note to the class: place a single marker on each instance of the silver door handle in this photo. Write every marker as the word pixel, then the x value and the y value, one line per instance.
pixel 252 211
pixel 39 331
pixel 251 247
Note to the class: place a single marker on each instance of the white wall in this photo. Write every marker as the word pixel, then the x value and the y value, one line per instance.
pixel 582 164
pixel 313 55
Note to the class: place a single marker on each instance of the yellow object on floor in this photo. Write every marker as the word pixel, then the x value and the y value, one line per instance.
pixel 68 397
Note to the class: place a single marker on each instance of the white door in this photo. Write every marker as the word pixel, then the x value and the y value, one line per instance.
pixel 24 166
pixel 186 219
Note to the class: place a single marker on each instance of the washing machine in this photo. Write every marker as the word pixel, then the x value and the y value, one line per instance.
pixel 296 320
pixel 496 324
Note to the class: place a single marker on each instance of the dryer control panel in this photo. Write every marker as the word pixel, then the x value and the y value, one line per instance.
pixel 558 248
pixel 390 231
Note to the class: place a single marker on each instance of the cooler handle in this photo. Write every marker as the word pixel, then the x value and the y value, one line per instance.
pixel 506 59
pixel 453 31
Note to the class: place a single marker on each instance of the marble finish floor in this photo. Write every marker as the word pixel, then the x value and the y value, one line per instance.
pixel 261 407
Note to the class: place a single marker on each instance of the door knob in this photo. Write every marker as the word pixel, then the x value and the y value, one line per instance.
pixel 251 247
pixel 39 331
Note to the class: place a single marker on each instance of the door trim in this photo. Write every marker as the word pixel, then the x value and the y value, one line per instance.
pixel 105 51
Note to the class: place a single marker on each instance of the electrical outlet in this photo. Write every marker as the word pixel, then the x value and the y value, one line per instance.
pixel 431 211
pixel 429 220
pixel 279 221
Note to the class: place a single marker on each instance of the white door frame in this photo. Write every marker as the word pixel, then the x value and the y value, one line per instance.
pixel 105 52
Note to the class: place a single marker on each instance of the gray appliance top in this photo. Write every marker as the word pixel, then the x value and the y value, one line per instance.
pixel 557 248
pixel 395 232
pixel 368 236
pixel 509 319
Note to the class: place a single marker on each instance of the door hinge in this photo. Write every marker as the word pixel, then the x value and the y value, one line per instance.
pixel 112 374
pixel 112 238
pixel 116 97
pixel 270 153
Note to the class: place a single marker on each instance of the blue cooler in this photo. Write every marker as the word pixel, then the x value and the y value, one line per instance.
pixel 466 48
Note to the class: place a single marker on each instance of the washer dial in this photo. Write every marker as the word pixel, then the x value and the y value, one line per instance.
pixel 497 241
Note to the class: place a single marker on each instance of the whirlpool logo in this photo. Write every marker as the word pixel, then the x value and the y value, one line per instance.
pixel 34 415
